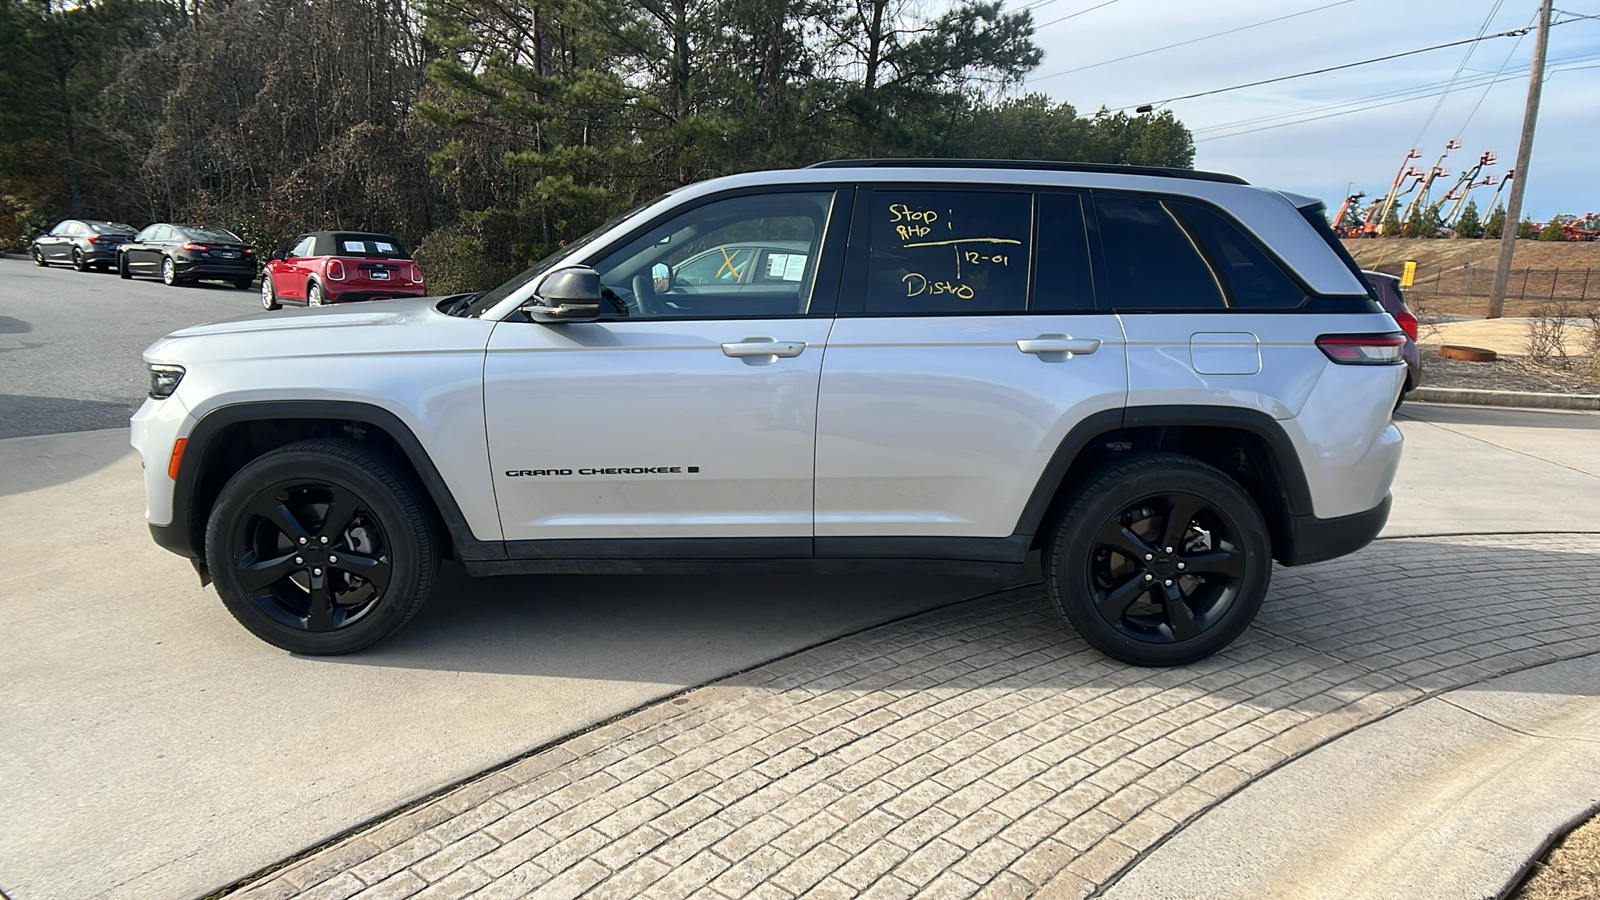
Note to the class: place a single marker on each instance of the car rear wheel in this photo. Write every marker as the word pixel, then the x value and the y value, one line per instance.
pixel 122 267
pixel 77 260
pixel 321 547
pixel 1161 561
pixel 169 272
pixel 38 257
pixel 269 297
pixel 314 294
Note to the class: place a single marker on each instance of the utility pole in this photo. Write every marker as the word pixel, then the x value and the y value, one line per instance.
pixel 1508 233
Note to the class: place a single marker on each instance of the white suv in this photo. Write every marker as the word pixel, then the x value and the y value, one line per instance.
pixel 1163 379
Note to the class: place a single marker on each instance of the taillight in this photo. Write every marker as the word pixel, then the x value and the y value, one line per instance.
pixel 249 251
pixel 94 238
pixel 1363 349
pixel 335 270
pixel 191 245
pixel 1407 323
pixel 416 274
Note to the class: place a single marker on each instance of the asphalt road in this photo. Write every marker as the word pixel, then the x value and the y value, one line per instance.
pixel 70 342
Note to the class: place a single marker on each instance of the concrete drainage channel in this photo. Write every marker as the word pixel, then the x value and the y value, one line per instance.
pixel 1514 399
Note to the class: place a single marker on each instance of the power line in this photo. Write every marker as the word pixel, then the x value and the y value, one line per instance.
pixel 1471 48
pixel 1077 14
pixel 1364 62
pixel 1107 62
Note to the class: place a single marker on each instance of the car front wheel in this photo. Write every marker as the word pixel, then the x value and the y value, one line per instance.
pixel 269 297
pixel 321 547
pixel 1161 561
pixel 38 257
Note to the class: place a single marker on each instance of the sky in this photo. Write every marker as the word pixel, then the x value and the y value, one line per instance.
pixel 1324 139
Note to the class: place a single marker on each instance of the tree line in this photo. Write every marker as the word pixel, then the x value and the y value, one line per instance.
pixel 486 132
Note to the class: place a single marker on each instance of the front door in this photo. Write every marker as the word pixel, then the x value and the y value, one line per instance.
pixel 685 418
pixel 969 342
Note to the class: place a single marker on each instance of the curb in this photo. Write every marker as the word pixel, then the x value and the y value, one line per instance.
pixel 1518 399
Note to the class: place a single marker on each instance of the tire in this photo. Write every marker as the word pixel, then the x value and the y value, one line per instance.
pixel 314 295
pixel 269 297
pixel 38 258
pixel 102 268
pixel 169 272
pixel 278 507
pixel 243 284
pixel 1161 609
pixel 77 260
pixel 123 271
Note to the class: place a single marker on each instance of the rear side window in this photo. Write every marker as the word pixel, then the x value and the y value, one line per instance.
pixel 1151 261
pixel 214 235
pixel 1250 278
pixel 964 252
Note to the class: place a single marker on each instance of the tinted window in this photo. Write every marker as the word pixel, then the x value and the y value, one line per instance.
pixel 215 235
pixel 698 264
pixel 149 234
pixel 1151 261
pixel 111 228
pixel 948 252
pixel 1252 279
pixel 1062 280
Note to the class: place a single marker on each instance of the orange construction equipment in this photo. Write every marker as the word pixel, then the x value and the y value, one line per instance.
pixel 1380 209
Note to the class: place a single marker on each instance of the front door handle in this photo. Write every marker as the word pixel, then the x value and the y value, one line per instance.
pixel 764 347
pixel 1058 343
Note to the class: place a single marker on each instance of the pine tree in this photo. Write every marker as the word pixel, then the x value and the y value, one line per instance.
pixel 1525 228
pixel 1468 225
pixel 1552 231
pixel 1496 225
pixel 1391 222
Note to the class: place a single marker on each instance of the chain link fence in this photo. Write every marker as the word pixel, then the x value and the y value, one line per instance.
pixel 1465 289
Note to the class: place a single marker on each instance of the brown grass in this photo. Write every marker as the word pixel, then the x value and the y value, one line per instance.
pixel 1571 871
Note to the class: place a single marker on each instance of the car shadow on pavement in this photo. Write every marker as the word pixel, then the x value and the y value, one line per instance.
pixel 1492 415
pixel 35 461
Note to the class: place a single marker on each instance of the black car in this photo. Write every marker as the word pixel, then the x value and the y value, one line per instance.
pixel 182 253
pixel 81 242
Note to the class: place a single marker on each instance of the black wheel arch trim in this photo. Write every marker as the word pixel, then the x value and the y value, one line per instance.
pixel 186 535
pixel 1283 458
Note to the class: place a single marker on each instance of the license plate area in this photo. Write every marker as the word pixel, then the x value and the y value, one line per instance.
pixel 229 254
pixel 378 274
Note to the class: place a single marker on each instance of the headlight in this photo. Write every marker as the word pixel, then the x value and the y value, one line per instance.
pixel 164 380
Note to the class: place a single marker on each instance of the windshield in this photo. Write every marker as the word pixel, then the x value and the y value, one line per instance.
pixel 490 298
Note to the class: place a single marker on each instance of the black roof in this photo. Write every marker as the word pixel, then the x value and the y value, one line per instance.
pixel 1031 164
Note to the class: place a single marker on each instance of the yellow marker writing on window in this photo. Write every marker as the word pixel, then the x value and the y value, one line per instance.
pixel 727 263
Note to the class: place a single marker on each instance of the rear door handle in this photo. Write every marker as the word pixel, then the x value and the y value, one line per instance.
pixel 1058 343
pixel 764 347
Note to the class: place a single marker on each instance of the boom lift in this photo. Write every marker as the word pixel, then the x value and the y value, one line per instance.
pixel 1380 209
pixel 1438 171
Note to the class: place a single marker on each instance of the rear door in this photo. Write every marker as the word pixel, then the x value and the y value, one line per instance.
pixel 969 341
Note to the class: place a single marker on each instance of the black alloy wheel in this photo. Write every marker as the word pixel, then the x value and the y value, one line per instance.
pixel 38 257
pixel 169 272
pixel 77 259
pixel 1162 561
pixel 123 271
pixel 321 547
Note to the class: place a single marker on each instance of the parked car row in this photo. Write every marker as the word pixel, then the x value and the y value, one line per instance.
pixel 321 267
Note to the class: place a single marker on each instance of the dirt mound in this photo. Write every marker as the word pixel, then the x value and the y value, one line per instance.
pixel 1446 253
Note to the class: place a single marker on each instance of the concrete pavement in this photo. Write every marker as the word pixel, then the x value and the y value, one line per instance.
pixel 160 750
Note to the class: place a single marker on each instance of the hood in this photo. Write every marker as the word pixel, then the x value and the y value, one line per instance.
pixel 371 312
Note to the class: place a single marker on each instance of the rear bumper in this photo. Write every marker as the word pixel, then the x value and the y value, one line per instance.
pixel 1311 539
pixel 215 269
pixel 357 295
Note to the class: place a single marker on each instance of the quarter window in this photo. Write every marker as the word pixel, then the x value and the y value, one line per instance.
pixel 743 257
pixel 948 252
pixel 1251 278
pixel 1151 261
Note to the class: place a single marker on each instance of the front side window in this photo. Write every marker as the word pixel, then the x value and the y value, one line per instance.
pixel 935 252
pixel 699 264
pixel 302 248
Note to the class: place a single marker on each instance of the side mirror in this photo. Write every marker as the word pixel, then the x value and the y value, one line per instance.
pixel 280 254
pixel 661 278
pixel 567 295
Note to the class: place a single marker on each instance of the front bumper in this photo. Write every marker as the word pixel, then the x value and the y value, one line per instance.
pixel 1310 539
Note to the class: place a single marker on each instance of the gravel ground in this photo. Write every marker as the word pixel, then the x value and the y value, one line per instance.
pixel 1508 373
pixel 1571 871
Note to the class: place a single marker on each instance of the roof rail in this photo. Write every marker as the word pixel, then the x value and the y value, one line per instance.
pixel 1034 164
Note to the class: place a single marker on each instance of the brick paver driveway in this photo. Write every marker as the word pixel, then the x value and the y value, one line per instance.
pixel 980 749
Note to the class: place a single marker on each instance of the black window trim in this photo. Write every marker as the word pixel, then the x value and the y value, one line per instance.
pixel 854 276
pixel 825 284
pixel 1315 302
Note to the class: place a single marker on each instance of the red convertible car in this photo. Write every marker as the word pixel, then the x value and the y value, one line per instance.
pixel 339 267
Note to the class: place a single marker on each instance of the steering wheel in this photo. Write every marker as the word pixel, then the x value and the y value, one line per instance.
pixel 645 296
